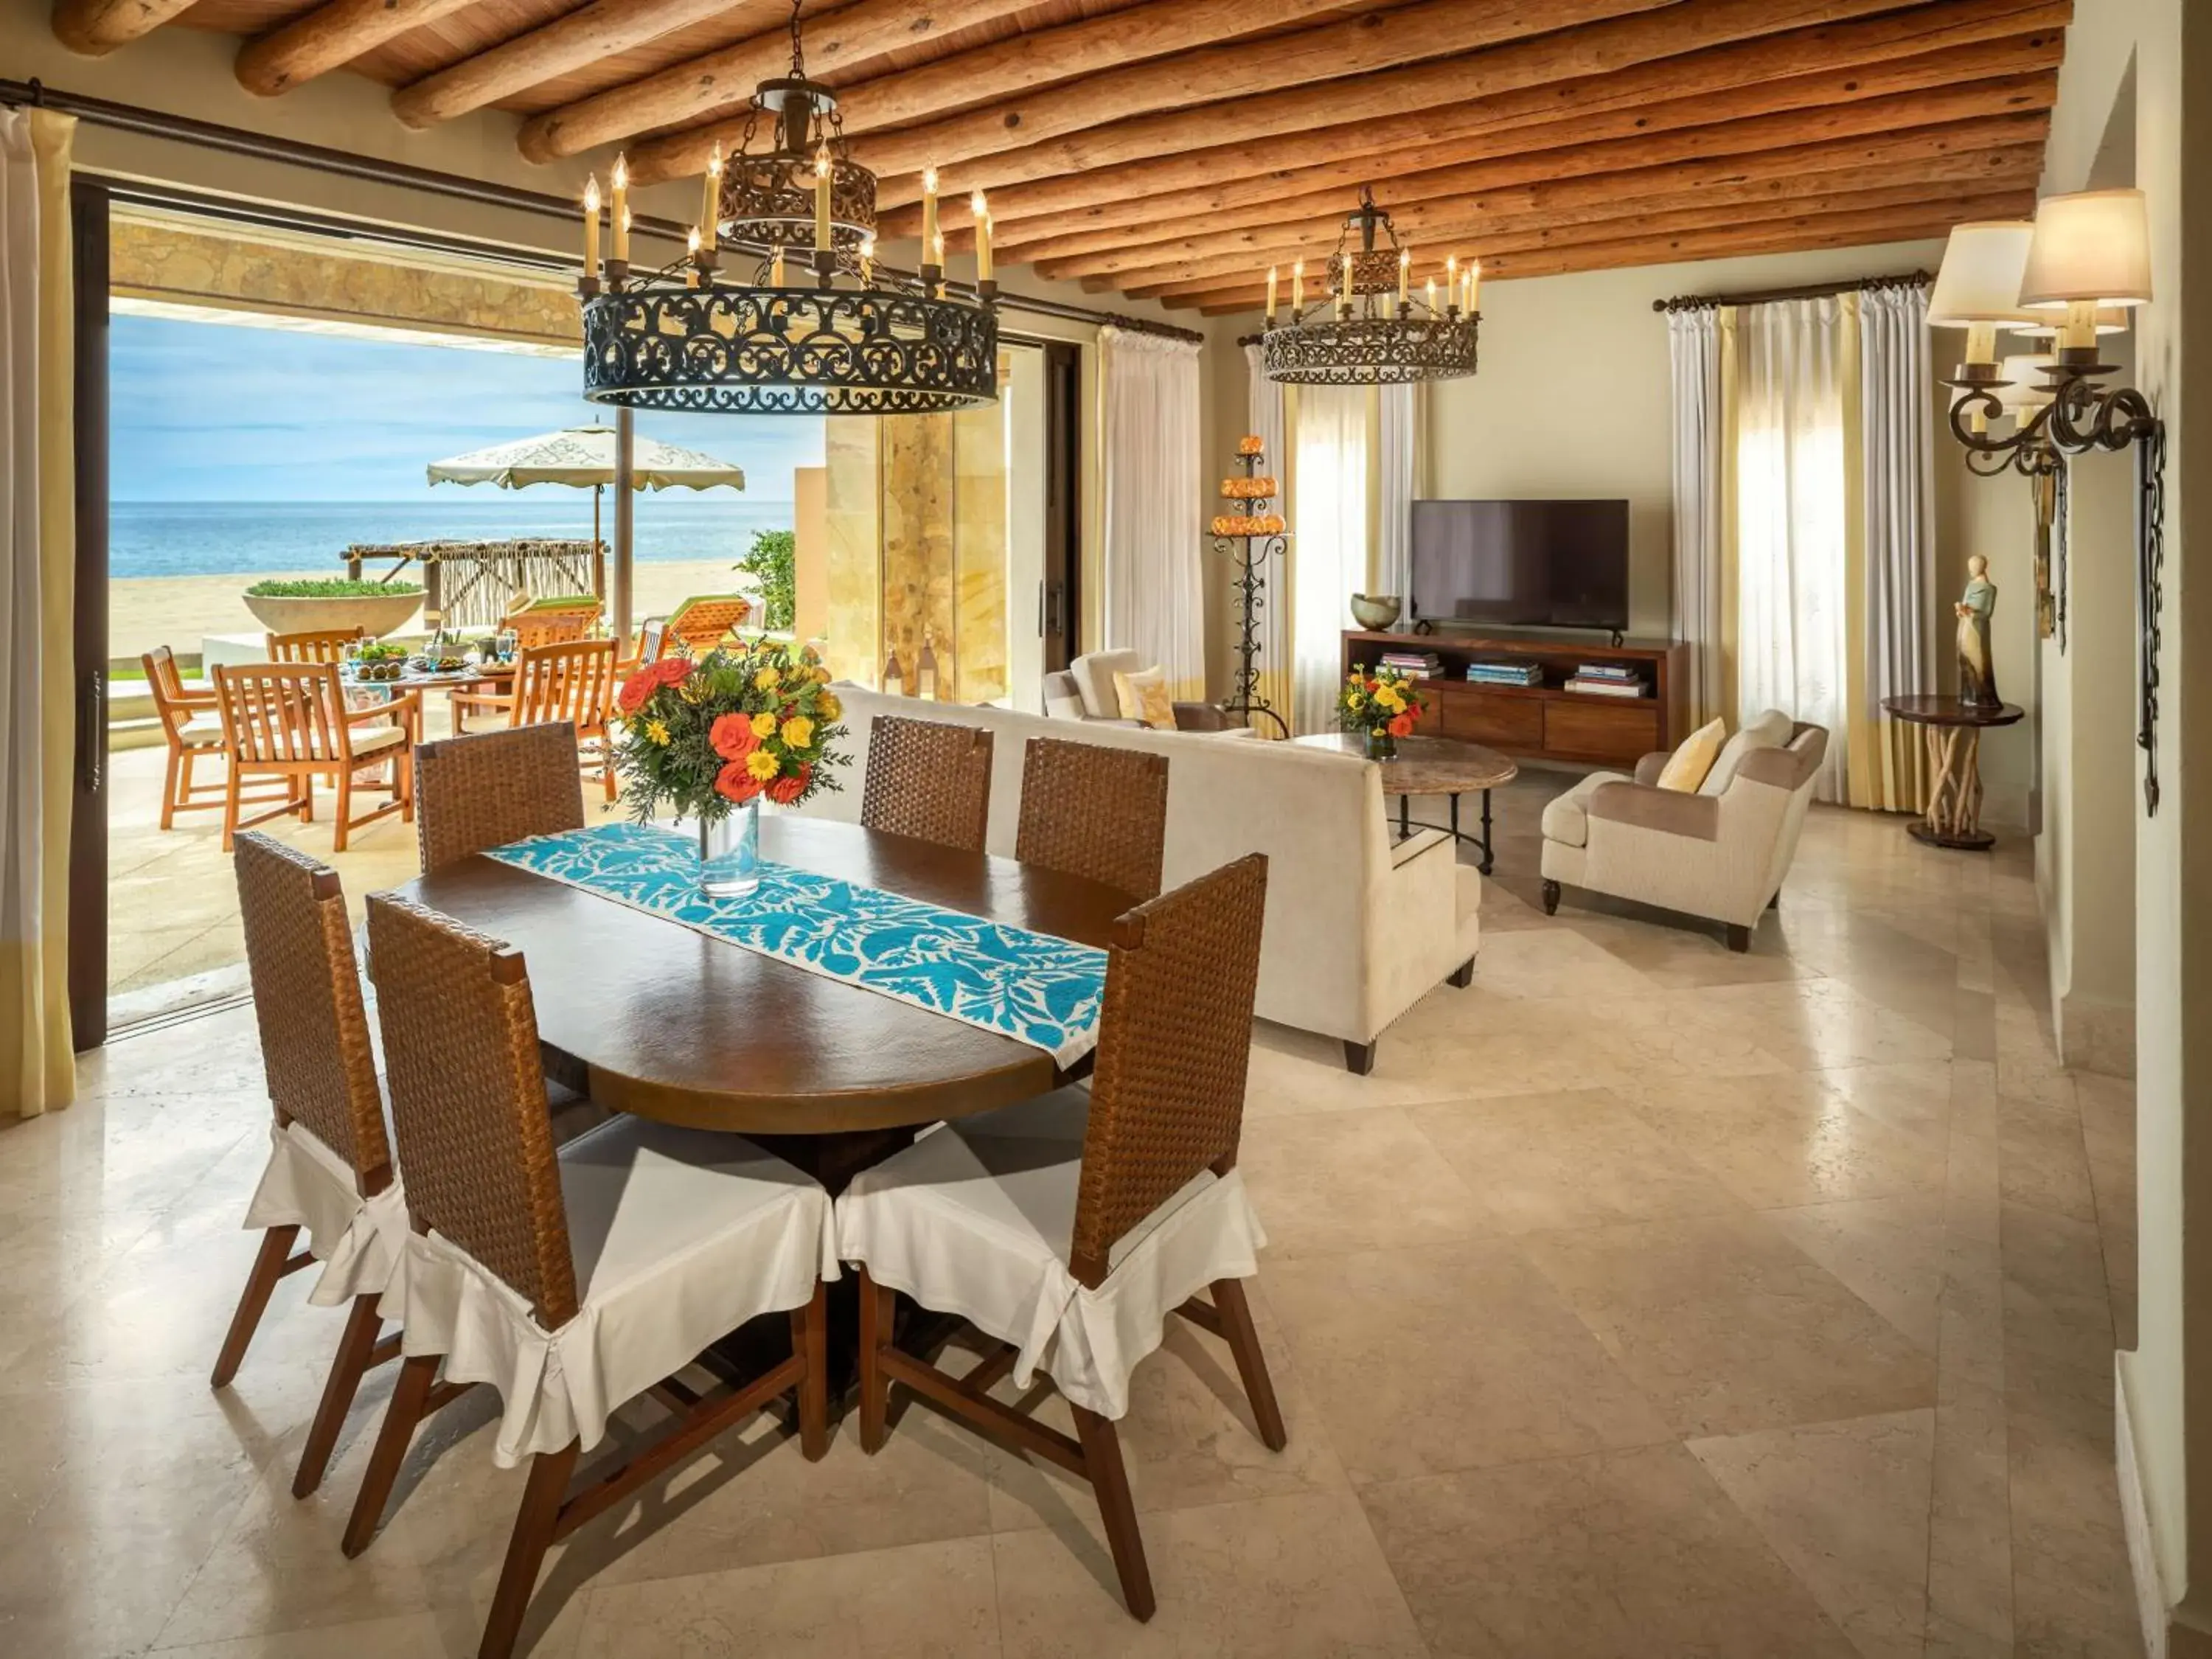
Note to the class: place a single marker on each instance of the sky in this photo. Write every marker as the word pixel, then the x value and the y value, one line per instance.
pixel 217 413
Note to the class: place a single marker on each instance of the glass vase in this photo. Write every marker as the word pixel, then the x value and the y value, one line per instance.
pixel 729 852
pixel 1381 745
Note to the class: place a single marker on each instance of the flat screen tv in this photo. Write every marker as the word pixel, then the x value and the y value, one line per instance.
pixel 1534 564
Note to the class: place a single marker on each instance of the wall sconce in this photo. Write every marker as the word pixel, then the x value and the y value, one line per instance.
pixel 2085 256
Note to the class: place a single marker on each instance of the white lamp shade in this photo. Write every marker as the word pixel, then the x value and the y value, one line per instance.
pixel 1979 282
pixel 2029 391
pixel 2111 319
pixel 2094 245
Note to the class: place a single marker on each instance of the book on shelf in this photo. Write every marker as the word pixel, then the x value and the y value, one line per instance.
pixel 1505 673
pixel 1413 664
pixel 1604 686
pixel 1607 670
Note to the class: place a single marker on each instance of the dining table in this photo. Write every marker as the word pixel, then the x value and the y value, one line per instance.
pixel 651 1016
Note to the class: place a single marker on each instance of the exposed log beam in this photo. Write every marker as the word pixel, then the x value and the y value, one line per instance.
pixel 95 28
pixel 704 86
pixel 1860 228
pixel 1733 144
pixel 330 36
pixel 1171 77
pixel 1960 151
pixel 1465 227
pixel 600 29
pixel 1598 105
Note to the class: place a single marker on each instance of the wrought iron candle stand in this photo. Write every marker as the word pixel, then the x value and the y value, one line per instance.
pixel 1249 552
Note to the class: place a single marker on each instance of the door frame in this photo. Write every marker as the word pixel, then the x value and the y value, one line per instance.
pixel 88 843
pixel 1063 504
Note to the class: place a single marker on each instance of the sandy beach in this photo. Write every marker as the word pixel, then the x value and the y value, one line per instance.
pixel 177 611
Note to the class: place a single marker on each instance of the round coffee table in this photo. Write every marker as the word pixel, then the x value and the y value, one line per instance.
pixel 1954 729
pixel 1433 766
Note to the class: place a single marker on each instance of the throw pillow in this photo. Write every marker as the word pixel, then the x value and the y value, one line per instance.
pixel 1686 767
pixel 1769 731
pixel 1144 696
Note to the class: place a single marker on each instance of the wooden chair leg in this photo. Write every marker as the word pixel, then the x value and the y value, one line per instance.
pixel 409 1397
pixel 533 1535
pixel 875 1384
pixel 810 1341
pixel 402 780
pixel 345 809
pixel 1109 1479
pixel 308 798
pixel 1251 1364
pixel 230 806
pixel 171 783
pixel 347 1369
pixel 268 1268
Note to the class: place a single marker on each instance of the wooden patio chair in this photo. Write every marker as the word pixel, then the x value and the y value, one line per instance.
pixel 329 1166
pixel 652 642
pixel 1095 1203
pixel 574 682
pixel 556 620
pixel 705 620
pixel 1096 812
pixel 492 787
pixel 192 728
pixel 928 779
pixel 636 1245
pixel 314 645
pixel 290 720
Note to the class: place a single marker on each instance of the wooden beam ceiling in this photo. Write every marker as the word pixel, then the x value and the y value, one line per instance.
pixel 1171 148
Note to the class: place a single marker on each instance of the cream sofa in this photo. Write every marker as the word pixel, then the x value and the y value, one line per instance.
pixel 1359 926
pixel 1084 691
pixel 1721 853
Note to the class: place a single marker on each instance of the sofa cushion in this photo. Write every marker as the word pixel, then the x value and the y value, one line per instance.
pixel 1063 698
pixel 1566 817
pixel 1769 731
pixel 1686 769
pixel 1144 696
pixel 1094 678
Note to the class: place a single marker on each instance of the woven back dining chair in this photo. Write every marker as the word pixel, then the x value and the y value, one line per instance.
pixel 572 683
pixel 930 780
pixel 1165 1110
pixel 469 1107
pixel 492 787
pixel 289 721
pixel 322 1077
pixel 1096 812
pixel 313 645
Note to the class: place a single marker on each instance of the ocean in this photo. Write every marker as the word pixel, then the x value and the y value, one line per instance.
pixel 206 538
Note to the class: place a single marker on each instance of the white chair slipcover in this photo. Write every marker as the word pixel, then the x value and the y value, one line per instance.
pixel 679 1235
pixel 358 1240
pixel 975 1219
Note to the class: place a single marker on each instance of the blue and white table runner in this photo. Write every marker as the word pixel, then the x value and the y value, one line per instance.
pixel 1041 990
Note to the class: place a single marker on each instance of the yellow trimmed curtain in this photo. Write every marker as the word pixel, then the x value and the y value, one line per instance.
pixel 1804 524
pixel 37 611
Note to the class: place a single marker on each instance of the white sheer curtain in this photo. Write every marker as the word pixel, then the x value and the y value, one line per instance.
pixel 1897 445
pixel 1694 347
pixel 1400 440
pixel 1328 555
pixel 1154 503
pixel 1264 416
pixel 1791 492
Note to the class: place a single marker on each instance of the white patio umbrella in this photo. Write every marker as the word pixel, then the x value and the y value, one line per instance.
pixel 584 456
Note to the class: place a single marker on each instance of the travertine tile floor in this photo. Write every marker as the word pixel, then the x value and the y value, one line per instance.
pixel 1648 1300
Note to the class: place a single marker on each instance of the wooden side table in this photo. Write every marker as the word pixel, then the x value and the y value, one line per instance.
pixel 1953 730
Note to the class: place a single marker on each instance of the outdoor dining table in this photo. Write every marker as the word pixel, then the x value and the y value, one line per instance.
pixel 650 1016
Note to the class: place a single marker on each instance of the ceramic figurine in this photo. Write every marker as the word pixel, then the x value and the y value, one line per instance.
pixel 1977 678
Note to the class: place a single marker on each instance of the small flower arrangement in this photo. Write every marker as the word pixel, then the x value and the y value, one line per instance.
pixel 739 724
pixel 1382 705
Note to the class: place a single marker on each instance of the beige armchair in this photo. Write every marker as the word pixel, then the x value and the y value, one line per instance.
pixel 1721 853
pixel 1084 691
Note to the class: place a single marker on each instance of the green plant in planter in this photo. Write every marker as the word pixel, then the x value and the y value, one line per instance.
pixel 773 560
pixel 317 587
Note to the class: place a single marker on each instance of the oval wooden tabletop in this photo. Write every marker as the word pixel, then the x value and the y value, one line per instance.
pixel 1930 708
pixel 674 1025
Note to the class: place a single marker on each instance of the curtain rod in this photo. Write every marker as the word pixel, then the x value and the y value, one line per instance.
pixel 1807 291
pixel 318 158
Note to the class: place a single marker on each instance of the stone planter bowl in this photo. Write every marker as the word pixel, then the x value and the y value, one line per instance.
pixel 1375 611
pixel 375 614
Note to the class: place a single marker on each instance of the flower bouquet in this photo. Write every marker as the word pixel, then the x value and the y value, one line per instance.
pixel 1382 705
pixel 712 736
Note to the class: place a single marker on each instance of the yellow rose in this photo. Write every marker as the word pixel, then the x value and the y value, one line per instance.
pixel 658 731
pixel 763 765
pixel 798 732
pixel 763 726
pixel 767 679
pixel 828 706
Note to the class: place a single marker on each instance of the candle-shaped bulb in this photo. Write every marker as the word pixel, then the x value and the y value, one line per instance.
pixel 1431 288
pixel 1271 296
pixel 710 193
pixel 823 172
pixel 1405 272
pixel 621 206
pixel 928 210
pixel 692 240
pixel 691 249
pixel 591 225
pixel 981 211
pixel 867 253
pixel 1297 286
pixel 1473 285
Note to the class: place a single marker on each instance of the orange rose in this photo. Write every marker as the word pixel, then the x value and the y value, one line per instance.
pixel 671 671
pixel 635 690
pixel 789 787
pixel 732 737
pixel 1402 726
pixel 736 784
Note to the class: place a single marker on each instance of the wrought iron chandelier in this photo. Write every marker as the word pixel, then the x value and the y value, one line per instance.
pixel 1370 327
pixel 813 327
